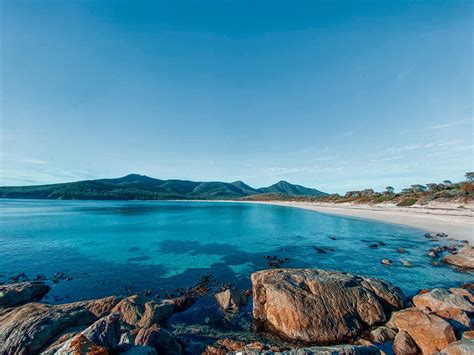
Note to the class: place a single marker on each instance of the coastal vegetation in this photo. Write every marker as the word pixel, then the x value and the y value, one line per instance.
pixel 445 191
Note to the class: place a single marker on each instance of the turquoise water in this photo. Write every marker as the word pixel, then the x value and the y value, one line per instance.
pixel 110 247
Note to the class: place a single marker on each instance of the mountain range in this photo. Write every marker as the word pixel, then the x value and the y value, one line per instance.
pixel 141 187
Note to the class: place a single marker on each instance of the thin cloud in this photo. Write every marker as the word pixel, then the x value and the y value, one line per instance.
pixel 450 124
pixel 387 159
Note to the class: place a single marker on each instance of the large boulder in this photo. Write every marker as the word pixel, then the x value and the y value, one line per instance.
pixel 137 311
pixel 404 344
pixel 20 293
pixel 159 339
pixel 464 258
pixel 29 328
pixel 460 347
pixel 105 332
pixel 440 299
pixel 230 300
pixel 318 306
pixel 430 332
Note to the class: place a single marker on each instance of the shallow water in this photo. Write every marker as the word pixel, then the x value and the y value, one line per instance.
pixel 111 247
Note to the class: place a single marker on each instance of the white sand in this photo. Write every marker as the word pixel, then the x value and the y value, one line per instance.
pixel 436 217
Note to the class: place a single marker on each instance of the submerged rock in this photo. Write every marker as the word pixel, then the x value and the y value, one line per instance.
pixel 463 259
pixel 20 293
pixel 406 263
pixel 318 306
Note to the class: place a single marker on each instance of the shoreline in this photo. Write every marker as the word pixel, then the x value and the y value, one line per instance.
pixel 445 218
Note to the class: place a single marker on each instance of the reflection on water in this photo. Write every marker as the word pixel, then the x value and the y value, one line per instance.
pixel 119 247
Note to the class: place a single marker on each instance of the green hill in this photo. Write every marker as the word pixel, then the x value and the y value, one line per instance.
pixel 141 187
pixel 284 187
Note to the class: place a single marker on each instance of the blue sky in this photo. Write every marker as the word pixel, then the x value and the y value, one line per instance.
pixel 335 95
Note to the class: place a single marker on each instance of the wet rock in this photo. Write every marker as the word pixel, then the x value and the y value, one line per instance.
pixel 439 299
pixel 158 338
pixel 28 328
pixel 460 347
pixel 81 345
pixel 21 277
pixel 382 335
pixel 432 254
pixel 20 293
pixel 386 262
pixel 463 259
pixel 230 300
pixel 430 332
pixel 318 306
pixel 404 344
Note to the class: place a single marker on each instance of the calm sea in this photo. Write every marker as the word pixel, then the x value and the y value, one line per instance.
pixel 120 247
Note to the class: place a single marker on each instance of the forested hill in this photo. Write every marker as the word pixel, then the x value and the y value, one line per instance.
pixel 141 187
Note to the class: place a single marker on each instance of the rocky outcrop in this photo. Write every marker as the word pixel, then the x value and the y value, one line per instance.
pixel 79 345
pixel 464 258
pixel 382 334
pixel 430 332
pixel 230 300
pixel 105 332
pixel 20 293
pixel 461 347
pixel 403 344
pixel 137 311
pixel 440 299
pixel 159 339
pixel 28 329
pixel 317 306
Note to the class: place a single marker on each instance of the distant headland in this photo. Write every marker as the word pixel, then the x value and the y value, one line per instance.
pixel 141 187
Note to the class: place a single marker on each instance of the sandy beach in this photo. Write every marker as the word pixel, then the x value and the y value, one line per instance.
pixel 434 218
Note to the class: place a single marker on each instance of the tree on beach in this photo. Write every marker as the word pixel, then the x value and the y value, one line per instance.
pixel 447 182
pixel 390 189
pixel 470 176
pixel 418 188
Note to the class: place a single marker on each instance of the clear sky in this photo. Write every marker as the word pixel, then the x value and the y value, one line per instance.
pixel 335 95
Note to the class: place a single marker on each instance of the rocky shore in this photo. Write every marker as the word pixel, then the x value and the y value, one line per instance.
pixel 293 311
